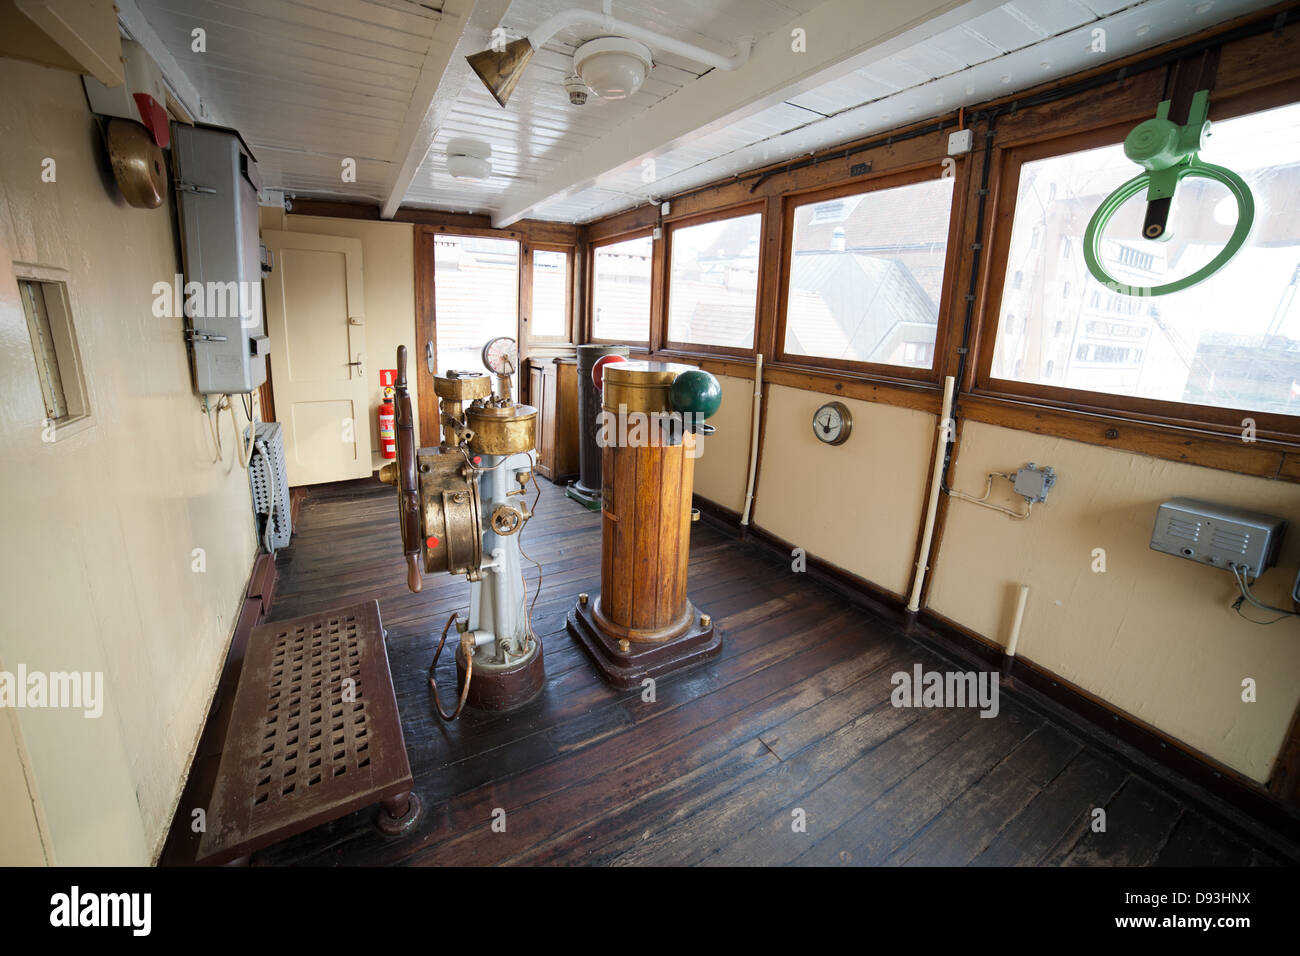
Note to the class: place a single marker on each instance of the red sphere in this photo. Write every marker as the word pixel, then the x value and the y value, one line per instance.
pixel 598 369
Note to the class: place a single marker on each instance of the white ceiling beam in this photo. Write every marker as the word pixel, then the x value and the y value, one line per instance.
pixel 463 29
pixel 138 28
pixel 840 36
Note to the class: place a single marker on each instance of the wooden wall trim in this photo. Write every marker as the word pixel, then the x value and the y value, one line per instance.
pixel 918 397
pixel 332 209
pixel 459 223
pixel 1262 458
pixel 430 416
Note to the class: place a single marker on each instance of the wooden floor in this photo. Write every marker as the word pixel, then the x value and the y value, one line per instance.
pixel 794 715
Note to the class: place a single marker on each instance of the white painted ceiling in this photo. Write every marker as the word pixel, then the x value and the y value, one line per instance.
pixel 307 84
pixel 310 83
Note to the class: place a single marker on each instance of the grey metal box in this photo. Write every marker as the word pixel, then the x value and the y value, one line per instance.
pixel 216 186
pixel 1218 535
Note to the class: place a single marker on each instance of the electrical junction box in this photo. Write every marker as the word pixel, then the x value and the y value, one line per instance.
pixel 960 142
pixel 1032 483
pixel 1218 535
pixel 216 185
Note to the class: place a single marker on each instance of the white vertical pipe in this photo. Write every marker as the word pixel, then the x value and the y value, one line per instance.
pixel 753 438
pixel 1014 639
pixel 945 416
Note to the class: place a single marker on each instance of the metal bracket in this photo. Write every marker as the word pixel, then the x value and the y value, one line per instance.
pixel 183 187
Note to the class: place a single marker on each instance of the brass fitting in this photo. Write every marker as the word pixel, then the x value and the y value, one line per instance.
pixel 582 598
pixel 706 621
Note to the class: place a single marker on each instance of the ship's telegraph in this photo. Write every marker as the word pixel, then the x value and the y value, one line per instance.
pixel 1167 154
pixel 462 508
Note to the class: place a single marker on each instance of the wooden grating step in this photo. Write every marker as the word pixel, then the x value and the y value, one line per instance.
pixel 314 733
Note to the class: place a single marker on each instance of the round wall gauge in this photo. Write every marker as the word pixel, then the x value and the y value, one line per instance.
pixel 832 423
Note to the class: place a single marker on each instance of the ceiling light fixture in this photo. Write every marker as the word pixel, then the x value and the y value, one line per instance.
pixel 613 67
pixel 501 67
pixel 469 159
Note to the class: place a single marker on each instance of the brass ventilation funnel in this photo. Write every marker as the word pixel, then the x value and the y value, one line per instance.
pixel 501 70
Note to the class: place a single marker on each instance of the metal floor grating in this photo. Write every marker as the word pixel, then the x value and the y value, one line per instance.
pixel 314 732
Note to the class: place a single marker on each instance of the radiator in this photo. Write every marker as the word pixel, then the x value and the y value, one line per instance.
pixel 270 486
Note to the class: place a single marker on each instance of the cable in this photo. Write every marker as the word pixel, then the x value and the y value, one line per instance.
pixel 272 481
pixel 214 430
pixel 1236 606
pixel 1239 572
pixel 532 511
pixel 479 468
pixel 243 455
pixel 469 673
pixel 983 500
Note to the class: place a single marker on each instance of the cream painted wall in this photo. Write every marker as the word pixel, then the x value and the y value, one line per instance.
pixel 22 837
pixel 722 470
pixel 96 573
pixel 857 505
pixel 388 265
pixel 1154 635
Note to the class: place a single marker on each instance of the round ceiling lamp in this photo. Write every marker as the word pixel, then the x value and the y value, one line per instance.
pixel 613 67
pixel 469 159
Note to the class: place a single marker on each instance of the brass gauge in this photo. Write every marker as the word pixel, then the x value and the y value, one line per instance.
pixel 832 423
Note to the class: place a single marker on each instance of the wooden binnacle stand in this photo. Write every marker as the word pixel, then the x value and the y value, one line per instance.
pixel 642 624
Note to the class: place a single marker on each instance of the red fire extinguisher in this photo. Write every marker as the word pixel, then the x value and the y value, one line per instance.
pixel 387 425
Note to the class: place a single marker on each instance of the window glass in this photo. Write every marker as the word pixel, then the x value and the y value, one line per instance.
pixel 714 282
pixel 549 316
pixel 866 275
pixel 1232 341
pixel 621 290
pixel 476 297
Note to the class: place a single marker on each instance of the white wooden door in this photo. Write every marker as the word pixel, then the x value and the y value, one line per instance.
pixel 316 315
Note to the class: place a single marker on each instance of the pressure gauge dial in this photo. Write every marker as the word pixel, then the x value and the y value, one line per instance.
pixel 832 423
pixel 501 355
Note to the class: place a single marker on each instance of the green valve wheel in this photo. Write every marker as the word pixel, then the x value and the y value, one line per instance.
pixel 1167 153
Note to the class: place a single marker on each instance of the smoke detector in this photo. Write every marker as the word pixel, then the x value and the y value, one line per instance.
pixel 469 159
pixel 576 89
pixel 613 67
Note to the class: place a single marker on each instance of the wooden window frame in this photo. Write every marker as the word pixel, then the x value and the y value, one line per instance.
pixel 891 179
pixel 757 207
pixel 656 254
pixel 1008 159
pixel 529 343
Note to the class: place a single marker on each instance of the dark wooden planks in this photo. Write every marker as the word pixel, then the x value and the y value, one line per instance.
pixel 794 714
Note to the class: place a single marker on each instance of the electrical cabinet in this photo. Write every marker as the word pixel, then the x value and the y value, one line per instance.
pixel 217 183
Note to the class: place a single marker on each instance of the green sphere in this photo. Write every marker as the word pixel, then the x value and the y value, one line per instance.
pixel 697 393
